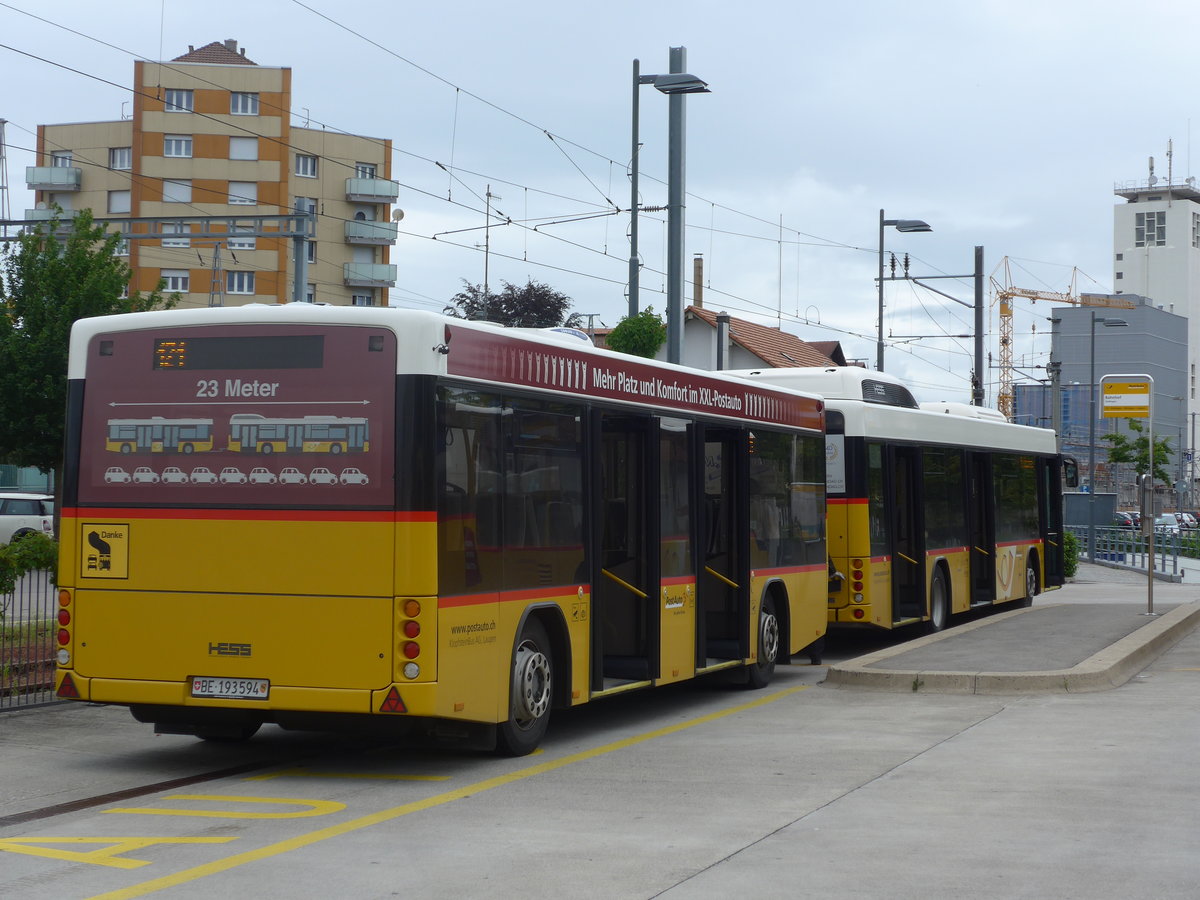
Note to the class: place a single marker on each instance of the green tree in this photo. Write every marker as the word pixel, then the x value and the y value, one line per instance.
pixel 1124 448
pixel 639 335
pixel 535 305
pixel 50 277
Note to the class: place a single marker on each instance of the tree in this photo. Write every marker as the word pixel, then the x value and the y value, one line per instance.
pixel 50 277
pixel 1136 451
pixel 535 305
pixel 640 335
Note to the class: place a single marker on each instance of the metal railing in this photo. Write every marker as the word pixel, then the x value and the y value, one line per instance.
pixel 27 631
pixel 1127 547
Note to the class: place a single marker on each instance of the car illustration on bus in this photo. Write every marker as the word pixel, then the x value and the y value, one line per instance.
pixel 203 475
pixel 145 475
pixel 260 475
pixel 353 476
pixel 174 475
pixel 116 475
pixel 292 475
pixel 321 475
pixel 232 475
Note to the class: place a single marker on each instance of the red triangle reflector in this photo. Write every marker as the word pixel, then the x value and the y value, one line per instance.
pixel 67 688
pixel 392 702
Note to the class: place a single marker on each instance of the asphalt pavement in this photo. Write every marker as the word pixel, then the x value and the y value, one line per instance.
pixel 1093 634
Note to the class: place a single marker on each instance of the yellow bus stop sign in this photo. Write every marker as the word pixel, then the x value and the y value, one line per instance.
pixel 1125 399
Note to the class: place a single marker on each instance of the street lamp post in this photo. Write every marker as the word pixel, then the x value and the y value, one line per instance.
pixel 904 225
pixel 1107 323
pixel 674 85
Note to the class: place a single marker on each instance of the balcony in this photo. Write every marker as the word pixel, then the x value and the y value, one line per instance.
pixel 44 215
pixel 53 178
pixel 372 190
pixel 369 274
pixel 360 232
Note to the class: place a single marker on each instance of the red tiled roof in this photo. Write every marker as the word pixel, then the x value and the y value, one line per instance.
pixel 775 348
pixel 220 53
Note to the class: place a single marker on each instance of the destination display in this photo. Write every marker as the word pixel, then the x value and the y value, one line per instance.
pixel 250 353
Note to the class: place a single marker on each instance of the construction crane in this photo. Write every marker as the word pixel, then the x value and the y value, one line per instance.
pixel 1003 293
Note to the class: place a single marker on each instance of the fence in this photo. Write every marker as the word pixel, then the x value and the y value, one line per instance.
pixel 1127 547
pixel 27 642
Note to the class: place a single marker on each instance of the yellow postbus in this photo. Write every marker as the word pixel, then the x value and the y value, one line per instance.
pixel 934 508
pixel 534 523
pixel 159 435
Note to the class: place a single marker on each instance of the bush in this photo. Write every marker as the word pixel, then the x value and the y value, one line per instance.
pixel 34 551
pixel 1070 554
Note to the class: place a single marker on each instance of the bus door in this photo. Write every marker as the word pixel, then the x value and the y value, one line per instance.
pixel 723 579
pixel 908 534
pixel 625 627
pixel 145 437
pixel 1050 520
pixel 981 515
pixel 295 437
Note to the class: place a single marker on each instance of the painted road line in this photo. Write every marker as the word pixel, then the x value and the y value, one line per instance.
pixel 396 812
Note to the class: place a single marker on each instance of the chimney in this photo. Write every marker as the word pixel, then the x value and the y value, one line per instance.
pixel 231 45
pixel 191 48
pixel 698 281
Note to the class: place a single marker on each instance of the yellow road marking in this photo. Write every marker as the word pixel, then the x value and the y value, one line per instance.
pixel 302 772
pixel 312 808
pixel 324 834
pixel 106 856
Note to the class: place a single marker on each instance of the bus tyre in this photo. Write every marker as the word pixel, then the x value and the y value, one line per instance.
pixel 760 671
pixel 126 448
pixel 529 695
pixel 1031 584
pixel 267 449
pixel 939 603
pixel 187 449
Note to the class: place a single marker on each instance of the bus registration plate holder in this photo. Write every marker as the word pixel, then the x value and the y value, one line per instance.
pixel 230 688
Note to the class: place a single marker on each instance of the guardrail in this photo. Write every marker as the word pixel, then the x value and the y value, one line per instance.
pixel 1126 547
pixel 27 631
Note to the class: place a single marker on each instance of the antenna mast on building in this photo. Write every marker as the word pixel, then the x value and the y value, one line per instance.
pixel 216 286
pixel 5 211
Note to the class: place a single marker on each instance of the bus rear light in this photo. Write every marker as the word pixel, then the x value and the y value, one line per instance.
pixel 64 598
pixel 858 614
pixel 858 586
pixel 63 657
pixel 412 608
pixel 64 617
pixel 857 563
pixel 67 688
pixel 411 670
pixel 64 637
pixel 412 649
pixel 412 628
pixel 858 598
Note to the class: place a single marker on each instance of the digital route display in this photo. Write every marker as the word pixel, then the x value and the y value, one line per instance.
pixel 259 352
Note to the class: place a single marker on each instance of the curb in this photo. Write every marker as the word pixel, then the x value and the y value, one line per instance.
pixel 1107 669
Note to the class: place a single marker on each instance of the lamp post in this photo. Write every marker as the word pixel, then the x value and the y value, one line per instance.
pixel 674 85
pixel 1107 323
pixel 900 225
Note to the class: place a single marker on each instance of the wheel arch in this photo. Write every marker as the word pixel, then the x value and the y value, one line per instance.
pixel 776 590
pixel 551 618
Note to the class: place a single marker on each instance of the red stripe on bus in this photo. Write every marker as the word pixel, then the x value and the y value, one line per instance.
pixel 844 501
pixel 790 570
pixel 1028 542
pixel 946 550
pixel 254 515
pixel 510 596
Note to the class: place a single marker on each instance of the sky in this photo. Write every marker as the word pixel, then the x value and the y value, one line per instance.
pixel 1001 124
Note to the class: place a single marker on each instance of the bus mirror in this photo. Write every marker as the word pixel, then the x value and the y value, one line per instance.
pixel 1070 471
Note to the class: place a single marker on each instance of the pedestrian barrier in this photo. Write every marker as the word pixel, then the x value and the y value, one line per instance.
pixel 1126 548
pixel 27 631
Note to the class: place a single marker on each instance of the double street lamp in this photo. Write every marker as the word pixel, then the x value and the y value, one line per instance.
pixel 1108 322
pixel 904 225
pixel 675 85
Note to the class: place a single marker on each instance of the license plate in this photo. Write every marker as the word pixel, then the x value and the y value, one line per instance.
pixel 231 688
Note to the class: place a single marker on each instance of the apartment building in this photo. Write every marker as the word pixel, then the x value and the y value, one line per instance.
pixel 211 135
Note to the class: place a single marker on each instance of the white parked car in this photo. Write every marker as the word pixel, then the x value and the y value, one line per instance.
pixel 292 475
pixel 259 475
pixel 22 514
pixel 203 475
pixel 322 475
pixel 353 476
pixel 231 475
pixel 174 475
pixel 145 475
pixel 116 475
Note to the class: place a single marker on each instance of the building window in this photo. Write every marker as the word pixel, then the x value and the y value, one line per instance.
pixel 239 282
pixel 1150 229
pixel 118 201
pixel 310 250
pixel 362 300
pixel 176 100
pixel 1119 275
pixel 176 280
pixel 1196 229
pixel 176 228
pixel 242 103
pixel 120 157
pixel 122 248
pixel 243 148
pixel 243 193
pixel 242 243
pixel 305 205
pixel 60 159
pixel 310 293
pixel 177 145
pixel 177 191
pixel 306 166
pixel 364 170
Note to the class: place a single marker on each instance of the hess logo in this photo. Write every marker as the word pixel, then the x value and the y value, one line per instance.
pixel 227 649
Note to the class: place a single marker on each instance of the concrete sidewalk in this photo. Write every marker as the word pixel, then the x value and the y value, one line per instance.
pixel 1092 635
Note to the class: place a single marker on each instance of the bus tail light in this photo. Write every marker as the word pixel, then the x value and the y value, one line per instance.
pixel 63 657
pixel 412 649
pixel 858 614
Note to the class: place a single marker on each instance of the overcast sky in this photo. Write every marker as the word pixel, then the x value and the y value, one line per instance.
pixel 1004 124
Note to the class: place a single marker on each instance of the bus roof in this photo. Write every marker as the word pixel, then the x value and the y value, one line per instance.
pixel 539 359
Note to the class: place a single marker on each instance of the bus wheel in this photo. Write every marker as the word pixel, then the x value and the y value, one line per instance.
pixel 267 449
pixel 529 698
pixel 187 449
pixel 1031 584
pixel 760 671
pixel 126 448
pixel 939 603
pixel 335 449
